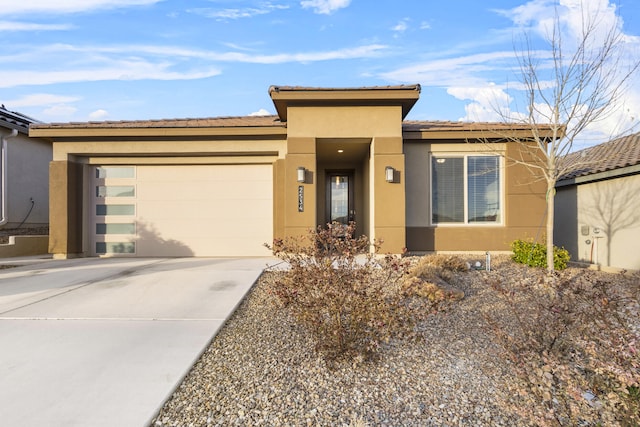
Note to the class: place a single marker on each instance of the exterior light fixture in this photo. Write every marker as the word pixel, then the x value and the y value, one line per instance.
pixel 302 174
pixel 389 174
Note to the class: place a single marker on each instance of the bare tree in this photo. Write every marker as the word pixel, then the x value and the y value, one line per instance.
pixel 569 87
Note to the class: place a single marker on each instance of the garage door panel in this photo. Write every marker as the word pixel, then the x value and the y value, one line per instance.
pixel 199 191
pixel 250 210
pixel 221 173
pixel 193 229
pixel 201 210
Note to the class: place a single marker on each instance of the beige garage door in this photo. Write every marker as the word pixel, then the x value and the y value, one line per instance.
pixel 183 210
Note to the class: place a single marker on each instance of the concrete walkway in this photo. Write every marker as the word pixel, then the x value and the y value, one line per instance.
pixel 104 342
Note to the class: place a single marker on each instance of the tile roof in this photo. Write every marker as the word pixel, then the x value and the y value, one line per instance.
pixel 243 121
pixel 250 121
pixel 267 121
pixel 425 126
pixel 14 120
pixel 618 153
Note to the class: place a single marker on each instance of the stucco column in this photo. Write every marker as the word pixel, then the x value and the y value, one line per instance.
pixel 65 209
pixel 388 198
pixel 300 197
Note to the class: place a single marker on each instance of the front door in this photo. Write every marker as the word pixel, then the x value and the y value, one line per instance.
pixel 340 197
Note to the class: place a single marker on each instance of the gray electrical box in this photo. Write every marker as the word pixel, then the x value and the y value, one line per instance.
pixel 584 230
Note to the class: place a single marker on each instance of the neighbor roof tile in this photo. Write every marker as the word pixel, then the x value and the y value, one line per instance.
pixel 615 154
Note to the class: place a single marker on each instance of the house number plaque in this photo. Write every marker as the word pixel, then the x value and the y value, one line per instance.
pixel 300 198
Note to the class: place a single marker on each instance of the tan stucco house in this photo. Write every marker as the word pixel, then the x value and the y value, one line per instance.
pixel 598 204
pixel 224 186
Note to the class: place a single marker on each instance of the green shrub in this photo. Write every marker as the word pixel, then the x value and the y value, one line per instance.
pixel 349 299
pixel 535 254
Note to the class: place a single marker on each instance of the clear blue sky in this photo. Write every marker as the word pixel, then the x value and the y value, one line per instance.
pixel 80 60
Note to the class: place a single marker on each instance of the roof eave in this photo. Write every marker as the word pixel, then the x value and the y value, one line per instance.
pixel 477 134
pixel 284 97
pixel 600 176
pixel 93 132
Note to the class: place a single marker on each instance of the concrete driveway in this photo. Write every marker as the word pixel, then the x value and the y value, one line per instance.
pixel 104 342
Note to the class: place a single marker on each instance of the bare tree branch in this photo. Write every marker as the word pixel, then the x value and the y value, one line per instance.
pixel 578 86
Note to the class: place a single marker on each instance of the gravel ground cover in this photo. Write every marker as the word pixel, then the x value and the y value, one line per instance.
pixel 261 369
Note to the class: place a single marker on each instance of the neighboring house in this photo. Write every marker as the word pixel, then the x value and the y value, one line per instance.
pixel 598 204
pixel 225 186
pixel 24 174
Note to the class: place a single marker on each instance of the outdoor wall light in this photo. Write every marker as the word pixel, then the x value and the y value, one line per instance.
pixel 302 174
pixel 389 174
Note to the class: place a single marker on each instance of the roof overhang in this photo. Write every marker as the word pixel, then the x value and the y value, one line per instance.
pixel 474 131
pixel 286 96
pixel 600 176
pixel 93 132
pixel 14 120
pixel 221 127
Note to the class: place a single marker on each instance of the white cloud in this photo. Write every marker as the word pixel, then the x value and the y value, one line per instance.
pixel 16 7
pixel 401 26
pixel 99 68
pixel 490 103
pixel 29 26
pixel 478 112
pixel 41 99
pixel 488 82
pixel 61 110
pixel 98 114
pixel 260 112
pixel 325 7
pixel 489 94
pixel 68 63
pixel 425 25
pixel 247 12
pixel 465 71
pixel 538 17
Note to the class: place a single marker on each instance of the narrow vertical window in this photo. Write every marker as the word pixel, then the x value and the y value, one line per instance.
pixel 447 189
pixel 483 181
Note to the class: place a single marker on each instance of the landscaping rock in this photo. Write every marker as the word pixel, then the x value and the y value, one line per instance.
pixel 262 369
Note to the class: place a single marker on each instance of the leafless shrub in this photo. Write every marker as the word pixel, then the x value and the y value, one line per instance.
pixel 430 277
pixel 573 341
pixel 346 296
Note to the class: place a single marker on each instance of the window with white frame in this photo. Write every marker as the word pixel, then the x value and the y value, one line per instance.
pixel 465 189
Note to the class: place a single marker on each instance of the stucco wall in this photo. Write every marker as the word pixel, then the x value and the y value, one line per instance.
pixel 28 179
pixel 384 206
pixel 69 192
pixel 345 122
pixel 522 201
pixel 607 230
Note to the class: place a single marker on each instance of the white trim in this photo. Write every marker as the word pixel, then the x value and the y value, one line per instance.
pixel 4 176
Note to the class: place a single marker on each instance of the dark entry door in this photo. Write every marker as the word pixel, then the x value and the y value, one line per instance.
pixel 340 197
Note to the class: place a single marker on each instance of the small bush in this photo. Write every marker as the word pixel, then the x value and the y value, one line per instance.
pixel 430 278
pixel 349 299
pixel 436 264
pixel 535 254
